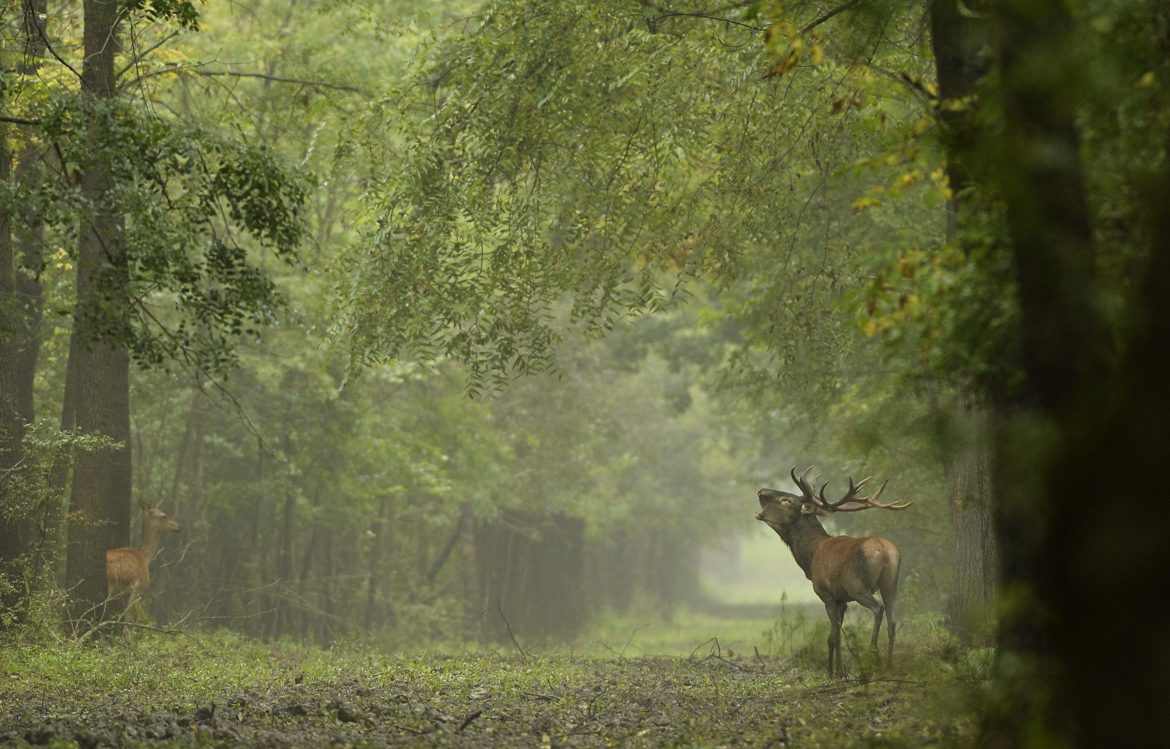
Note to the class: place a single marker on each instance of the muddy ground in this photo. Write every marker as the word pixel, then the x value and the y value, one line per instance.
pixel 487 700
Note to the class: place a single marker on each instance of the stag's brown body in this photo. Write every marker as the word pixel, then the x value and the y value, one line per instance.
pixel 127 570
pixel 852 569
pixel 842 569
pixel 128 567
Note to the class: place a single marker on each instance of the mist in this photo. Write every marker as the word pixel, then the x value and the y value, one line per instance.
pixel 562 373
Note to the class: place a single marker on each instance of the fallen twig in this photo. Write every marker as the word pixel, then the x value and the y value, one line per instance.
pixel 715 648
pixel 468 720
pixel 519 649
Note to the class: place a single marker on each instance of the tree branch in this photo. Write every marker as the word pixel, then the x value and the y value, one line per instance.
pixel 839 9
pixel 142 55
pixel 732 22
pixel 728 21
pixel 179 70
pixel 281 79
pixel 18 120
pixel 49 46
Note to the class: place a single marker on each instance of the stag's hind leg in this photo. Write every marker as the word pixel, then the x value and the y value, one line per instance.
pixel 891 623
pixel 889 598
pixel 870 602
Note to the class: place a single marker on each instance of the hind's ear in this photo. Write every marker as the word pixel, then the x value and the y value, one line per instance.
pixel 143 505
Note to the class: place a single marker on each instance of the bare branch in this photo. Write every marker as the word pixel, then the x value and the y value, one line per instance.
pixel 732 22
pixel 282 79
pixel 179 70
pixel 142 55
pixel 839 9
pixel 49 46
pixel 728 21
pixel 18 120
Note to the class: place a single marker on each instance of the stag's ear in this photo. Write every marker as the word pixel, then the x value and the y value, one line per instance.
pixel 808 508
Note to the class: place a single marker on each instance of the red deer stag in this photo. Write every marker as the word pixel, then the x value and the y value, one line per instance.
pixel 841 568
pixel 128 568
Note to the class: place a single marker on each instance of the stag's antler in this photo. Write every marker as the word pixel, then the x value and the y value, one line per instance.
pixel 802 483
pixel 850 502
pixel 857 503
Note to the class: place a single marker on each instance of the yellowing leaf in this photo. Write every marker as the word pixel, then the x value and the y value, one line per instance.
pixel 909 179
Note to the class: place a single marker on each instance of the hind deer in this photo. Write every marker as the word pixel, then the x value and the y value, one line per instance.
pixel 842 568
pixel 128 568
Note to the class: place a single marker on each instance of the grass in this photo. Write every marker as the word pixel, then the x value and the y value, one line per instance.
pixel 695 681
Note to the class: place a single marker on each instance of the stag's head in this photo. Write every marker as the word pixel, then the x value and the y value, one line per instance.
pixel 780 509
pixel 156 518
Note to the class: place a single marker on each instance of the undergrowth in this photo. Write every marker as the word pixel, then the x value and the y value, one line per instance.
pixel 696 680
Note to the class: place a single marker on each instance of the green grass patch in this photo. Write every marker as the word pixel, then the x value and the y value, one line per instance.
pixel 692 680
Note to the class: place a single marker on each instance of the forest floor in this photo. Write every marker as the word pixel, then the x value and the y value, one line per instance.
pixel 222 690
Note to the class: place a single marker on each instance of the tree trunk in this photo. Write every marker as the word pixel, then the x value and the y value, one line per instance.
pixel 971 606
pixel 186 496
pixel 378 612
pixel 474 600
pixel 12 511
pixel 330 617
pixel 258 545
pixel 280 620
pixel 1065 347
pixel 100 497
pixel 21 299
pixel 1102 559
pixel 956 39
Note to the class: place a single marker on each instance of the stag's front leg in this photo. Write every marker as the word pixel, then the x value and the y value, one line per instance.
pixel 132 598
pixel 836 612
pixel 877 609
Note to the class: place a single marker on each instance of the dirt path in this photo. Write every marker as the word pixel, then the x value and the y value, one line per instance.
pixel 477 701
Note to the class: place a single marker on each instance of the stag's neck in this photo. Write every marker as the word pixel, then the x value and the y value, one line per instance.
pixel 803 537
pixel 151 536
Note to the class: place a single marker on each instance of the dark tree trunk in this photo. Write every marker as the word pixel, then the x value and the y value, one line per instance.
pixel 1111 528
pixel 100 496
pixel 38 526
pixel 1064 338
pixel 21 301
pixel 956 39
pixel 971 605
pixel 1066 389
pixel 12 511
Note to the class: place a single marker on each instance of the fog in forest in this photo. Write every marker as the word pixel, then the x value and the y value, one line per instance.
pixel 573 373
pixel 378 413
